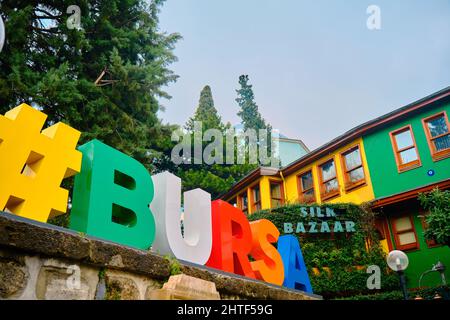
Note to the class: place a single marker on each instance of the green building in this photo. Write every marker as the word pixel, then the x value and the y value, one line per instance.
pixel 409 155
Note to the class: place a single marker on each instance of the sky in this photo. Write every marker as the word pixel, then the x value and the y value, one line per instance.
pixel 316 68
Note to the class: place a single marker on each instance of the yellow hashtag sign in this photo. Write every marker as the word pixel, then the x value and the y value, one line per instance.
pixel 33 164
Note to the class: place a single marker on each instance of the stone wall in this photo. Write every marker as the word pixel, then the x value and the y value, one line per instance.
pixel 40 261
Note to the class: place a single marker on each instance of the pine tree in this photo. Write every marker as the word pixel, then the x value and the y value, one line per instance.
pixel 206 112
pixel 249 113
pixel 251 117
pixel 215 178
pixel 53 67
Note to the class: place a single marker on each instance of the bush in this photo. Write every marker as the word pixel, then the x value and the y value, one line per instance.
pixel 392 295
pixel 430 293
pixel 342 261
pixel 438 204
pixel 425 294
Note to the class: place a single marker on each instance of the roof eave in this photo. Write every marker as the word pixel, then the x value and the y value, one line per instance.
pixel 364 129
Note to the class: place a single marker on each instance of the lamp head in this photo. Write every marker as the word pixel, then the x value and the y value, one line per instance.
pixel 439 267
pixel 397 260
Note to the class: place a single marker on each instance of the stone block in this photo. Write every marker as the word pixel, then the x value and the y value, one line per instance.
pixel 121 257
pixel 183 287
pixel 127 286
pixel 13 278
pixel 41 238
pixel 64 281
pixel 121 288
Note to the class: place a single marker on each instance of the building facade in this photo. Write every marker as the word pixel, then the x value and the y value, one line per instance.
pixel 290 149
pixel 417 159
pixel 387 161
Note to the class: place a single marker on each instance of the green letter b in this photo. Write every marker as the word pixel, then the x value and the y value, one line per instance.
pixel 111 197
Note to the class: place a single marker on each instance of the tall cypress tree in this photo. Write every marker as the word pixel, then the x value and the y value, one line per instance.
pixel 250 116
pixel 214 178
pixel 206 112
pixel 47 64
pixel 249 113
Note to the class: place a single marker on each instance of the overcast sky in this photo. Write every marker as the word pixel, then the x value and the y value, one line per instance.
pixel 316 69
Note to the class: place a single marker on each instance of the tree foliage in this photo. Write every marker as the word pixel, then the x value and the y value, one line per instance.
pixel 437 202
pixel 252 119
pixel 206 112
pixel 213 178
pixel 248 112
pixel 52 67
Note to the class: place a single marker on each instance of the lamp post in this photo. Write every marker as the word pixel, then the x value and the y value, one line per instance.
pixel 398 261
pixel 438 267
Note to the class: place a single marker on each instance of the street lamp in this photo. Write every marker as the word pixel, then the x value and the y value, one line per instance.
pixel 439 267
pixel 398 261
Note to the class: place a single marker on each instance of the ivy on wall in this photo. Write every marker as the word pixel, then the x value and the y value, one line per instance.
pixel 337 263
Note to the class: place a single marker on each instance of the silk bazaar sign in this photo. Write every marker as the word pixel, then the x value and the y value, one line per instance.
pixel 115 198
pixel 327 222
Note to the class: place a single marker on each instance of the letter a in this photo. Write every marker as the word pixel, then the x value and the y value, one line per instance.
pixel 111 197
pixel 295 273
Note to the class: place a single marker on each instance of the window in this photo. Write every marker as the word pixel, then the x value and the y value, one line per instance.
pixel 256 198
pixel 404 233
pixel 405 150
pixel 438 135
pixel 276 194
pixel 243 202
pixel 233 202
pixel 329 185
pixel 306 188
pixel 353 168
pixel 430 243
pixel 382 230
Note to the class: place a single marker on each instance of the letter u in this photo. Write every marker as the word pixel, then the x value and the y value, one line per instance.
pixel 196 244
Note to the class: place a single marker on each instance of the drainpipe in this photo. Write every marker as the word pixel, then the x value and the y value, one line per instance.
pixel 284 187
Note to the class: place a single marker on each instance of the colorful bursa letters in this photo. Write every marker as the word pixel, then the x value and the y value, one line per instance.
pixel 115 198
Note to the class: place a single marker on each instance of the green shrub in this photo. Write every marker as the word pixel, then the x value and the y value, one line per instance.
pixel 340 255
pixel 438 204
pixel 425 294
pixel 392 295
pixel 175 266
pixel 430 293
